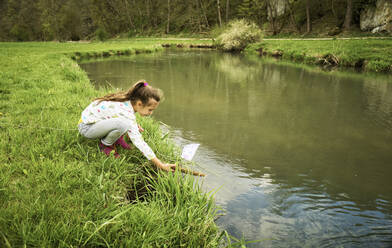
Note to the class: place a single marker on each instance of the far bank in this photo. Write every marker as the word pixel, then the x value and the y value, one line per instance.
pixel 363 54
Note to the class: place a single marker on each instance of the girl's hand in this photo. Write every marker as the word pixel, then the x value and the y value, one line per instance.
pixel 140 128
pixel 162 166
pixel 169 167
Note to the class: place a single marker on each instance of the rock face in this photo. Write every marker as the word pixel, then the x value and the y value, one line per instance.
pixel 377 19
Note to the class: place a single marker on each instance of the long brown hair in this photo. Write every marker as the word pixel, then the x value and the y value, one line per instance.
pixel 139 91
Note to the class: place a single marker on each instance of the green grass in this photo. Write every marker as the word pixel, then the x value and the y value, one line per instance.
pixel 58 190
pixel 369 55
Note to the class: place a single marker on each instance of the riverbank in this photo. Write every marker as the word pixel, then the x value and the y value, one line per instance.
pixel 363 54
pixel 57 189
pixel 368 54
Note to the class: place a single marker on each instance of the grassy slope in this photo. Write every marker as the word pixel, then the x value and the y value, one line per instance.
pixel 370 55
pixel 57 189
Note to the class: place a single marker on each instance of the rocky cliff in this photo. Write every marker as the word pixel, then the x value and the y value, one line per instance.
pixel 377 19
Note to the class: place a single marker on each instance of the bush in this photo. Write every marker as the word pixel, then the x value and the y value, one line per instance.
pixel 238 35
pixel 101 34
pixel 217 30
pixel 19 33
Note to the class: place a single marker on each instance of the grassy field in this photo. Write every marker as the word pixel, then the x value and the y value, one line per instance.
pixel 367 55
pixel 58 190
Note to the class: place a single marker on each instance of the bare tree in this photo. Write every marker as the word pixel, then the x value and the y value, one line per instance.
pixel 349 15
pixel 227 10
pixel 204 13
pixel 168 17
pixel 308 24
pixel 333 9
pixel 128 14
pixel 198 14
pixel 292 18
pixel 273 16
pixel 219 13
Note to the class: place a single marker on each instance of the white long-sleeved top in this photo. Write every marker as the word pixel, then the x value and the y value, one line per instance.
pixel 104 110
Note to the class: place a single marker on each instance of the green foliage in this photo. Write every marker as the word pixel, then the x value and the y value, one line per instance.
pixel 71 21
pixel 379 66
pixel 217 30
pixel 238 35
pixel 245 9
pixel 19 33
pixel 101 34
pixel 80 19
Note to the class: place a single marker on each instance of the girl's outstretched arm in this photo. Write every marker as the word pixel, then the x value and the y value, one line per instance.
pixel 173 167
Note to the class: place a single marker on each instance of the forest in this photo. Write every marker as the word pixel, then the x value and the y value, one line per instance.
pixel 62 20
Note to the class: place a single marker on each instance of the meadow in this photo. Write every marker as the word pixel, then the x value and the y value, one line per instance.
pixel 58 190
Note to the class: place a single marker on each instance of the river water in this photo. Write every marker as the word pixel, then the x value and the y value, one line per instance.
pixel 299 157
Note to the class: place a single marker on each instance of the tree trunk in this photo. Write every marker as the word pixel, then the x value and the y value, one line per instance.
pixel 308 24
pixel 199 15
pixel 148 13
pixel 204 13
pixel 333 9
pixel 219 14
pixel 168 17
pixel 227 10
pixel 294 23
pixel 349 15
pixel 282 25
pixel 272 16
pixel 139 17
pixel 129 16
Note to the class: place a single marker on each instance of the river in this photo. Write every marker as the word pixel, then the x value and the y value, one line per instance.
pixel 299 157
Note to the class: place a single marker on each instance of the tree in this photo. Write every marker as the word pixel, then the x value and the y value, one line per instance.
pixel 168 17
pixel 289 4
pixel 128 12
pixel 250 9
pixel 23 20
pixel 227 10
pixel 219 13
pixel 349 15
pixel 80 19
pixel 204 14
pixel 70 17
pixel 308 24
pixel 273 16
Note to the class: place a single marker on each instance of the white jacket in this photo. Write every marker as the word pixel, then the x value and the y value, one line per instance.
pixel 104 110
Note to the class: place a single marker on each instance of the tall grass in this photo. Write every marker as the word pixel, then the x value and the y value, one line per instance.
pixel 58 190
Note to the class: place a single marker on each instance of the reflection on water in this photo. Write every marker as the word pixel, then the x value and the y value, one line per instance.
pixel 302 158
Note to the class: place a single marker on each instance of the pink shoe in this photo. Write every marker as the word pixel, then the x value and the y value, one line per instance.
pixel 122 143
pixel 108 150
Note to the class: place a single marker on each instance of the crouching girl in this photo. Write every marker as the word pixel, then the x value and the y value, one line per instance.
pixel 108 118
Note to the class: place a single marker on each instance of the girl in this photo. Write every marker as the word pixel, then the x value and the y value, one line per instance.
pixel 111 116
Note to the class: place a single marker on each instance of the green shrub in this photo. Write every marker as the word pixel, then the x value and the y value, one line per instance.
pixel 217 30
pixel 238 35
pixel 379 66
pixel 19 33
pixel 101 34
